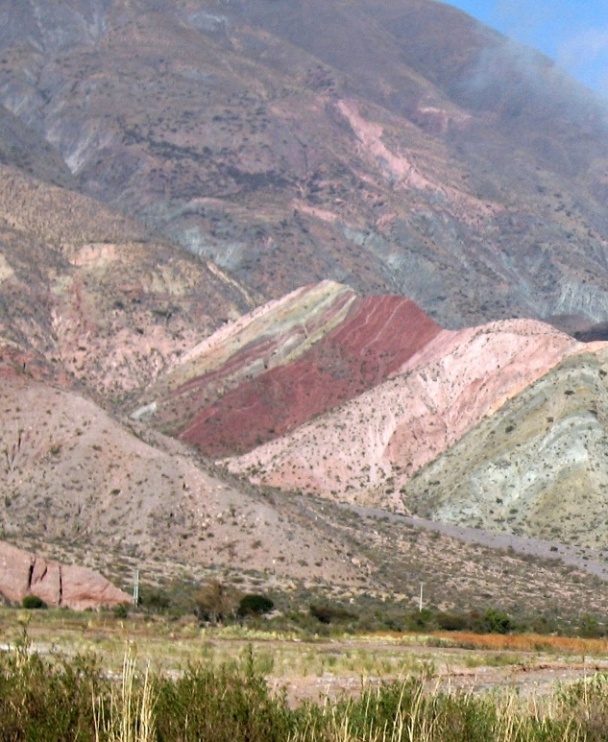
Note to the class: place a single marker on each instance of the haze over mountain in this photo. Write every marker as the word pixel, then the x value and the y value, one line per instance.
pixel 314 241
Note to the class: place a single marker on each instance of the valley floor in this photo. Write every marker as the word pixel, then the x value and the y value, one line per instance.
pixel 313 668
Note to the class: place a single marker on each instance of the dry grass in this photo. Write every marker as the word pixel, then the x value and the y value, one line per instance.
pixel 527 643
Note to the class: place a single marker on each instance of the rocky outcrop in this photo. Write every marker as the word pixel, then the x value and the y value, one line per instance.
pixel 79 588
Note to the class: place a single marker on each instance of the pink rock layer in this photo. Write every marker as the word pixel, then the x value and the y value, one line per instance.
pixel 377 336
pixel 23 573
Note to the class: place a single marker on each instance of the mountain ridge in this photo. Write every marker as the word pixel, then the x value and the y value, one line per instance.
pixel 290 143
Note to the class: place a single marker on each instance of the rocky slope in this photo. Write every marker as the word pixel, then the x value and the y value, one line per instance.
pixel 368 449
pixel 71 473
pixel 396 146
pixel 89 297
pixel 537 466
pixel 499 427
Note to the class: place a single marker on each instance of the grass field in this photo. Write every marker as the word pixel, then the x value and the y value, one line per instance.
pixel 66 675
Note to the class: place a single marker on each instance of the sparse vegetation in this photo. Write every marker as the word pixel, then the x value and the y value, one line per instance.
pixel 215 602
pixel 60 699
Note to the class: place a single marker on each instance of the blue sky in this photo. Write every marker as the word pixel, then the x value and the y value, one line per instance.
pixel 572 32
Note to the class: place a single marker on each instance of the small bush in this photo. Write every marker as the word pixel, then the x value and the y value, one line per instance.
pixel 330 613
pixel 154 600
pixel 33 602
pixel 497 622
pixel 590 628
pixel 424 620
pixel 121 611
pixel 254 605
pixel 214 602
pixel 451 622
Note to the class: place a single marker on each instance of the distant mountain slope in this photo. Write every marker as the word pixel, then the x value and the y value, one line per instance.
pixel 87 293
pixel 29 152
pixel 394 145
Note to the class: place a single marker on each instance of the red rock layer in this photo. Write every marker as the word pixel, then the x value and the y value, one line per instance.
pixel 377 337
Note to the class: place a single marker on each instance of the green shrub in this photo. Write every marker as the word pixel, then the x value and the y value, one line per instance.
pixel 496 622
pixel 254 605
pixel 121 611
pixel 214 602
pixel 154 600
pixel 327 614
pixel 32 602
pixel 424 620
pixel 231 703
pixel 46 700
pixel 451 622
pixel 589 627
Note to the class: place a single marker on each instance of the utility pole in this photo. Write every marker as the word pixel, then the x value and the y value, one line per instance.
pixel 136 589
pixel 420 601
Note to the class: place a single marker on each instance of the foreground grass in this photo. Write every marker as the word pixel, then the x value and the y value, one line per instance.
pixel 56 698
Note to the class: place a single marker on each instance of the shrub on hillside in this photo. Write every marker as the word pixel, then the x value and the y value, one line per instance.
pixel 215 602
pixel 496 622
pixel 120 611
pixel 424 620
pixel 451 622
pixel 326 614
pixel 254 605
pixel 590 628
pixel 154 600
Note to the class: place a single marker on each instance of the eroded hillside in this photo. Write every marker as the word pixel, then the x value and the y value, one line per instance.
pixel 366 450
pixel 537 467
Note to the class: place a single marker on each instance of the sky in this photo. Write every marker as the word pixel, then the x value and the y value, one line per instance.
pixel 574 33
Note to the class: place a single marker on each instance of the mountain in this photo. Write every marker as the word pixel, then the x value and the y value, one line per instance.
pixel 537 466
pixel 71 473
pixel 90 295
pixel 277 279
pixel 367 400
pixel 397 146
pixel 387 434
